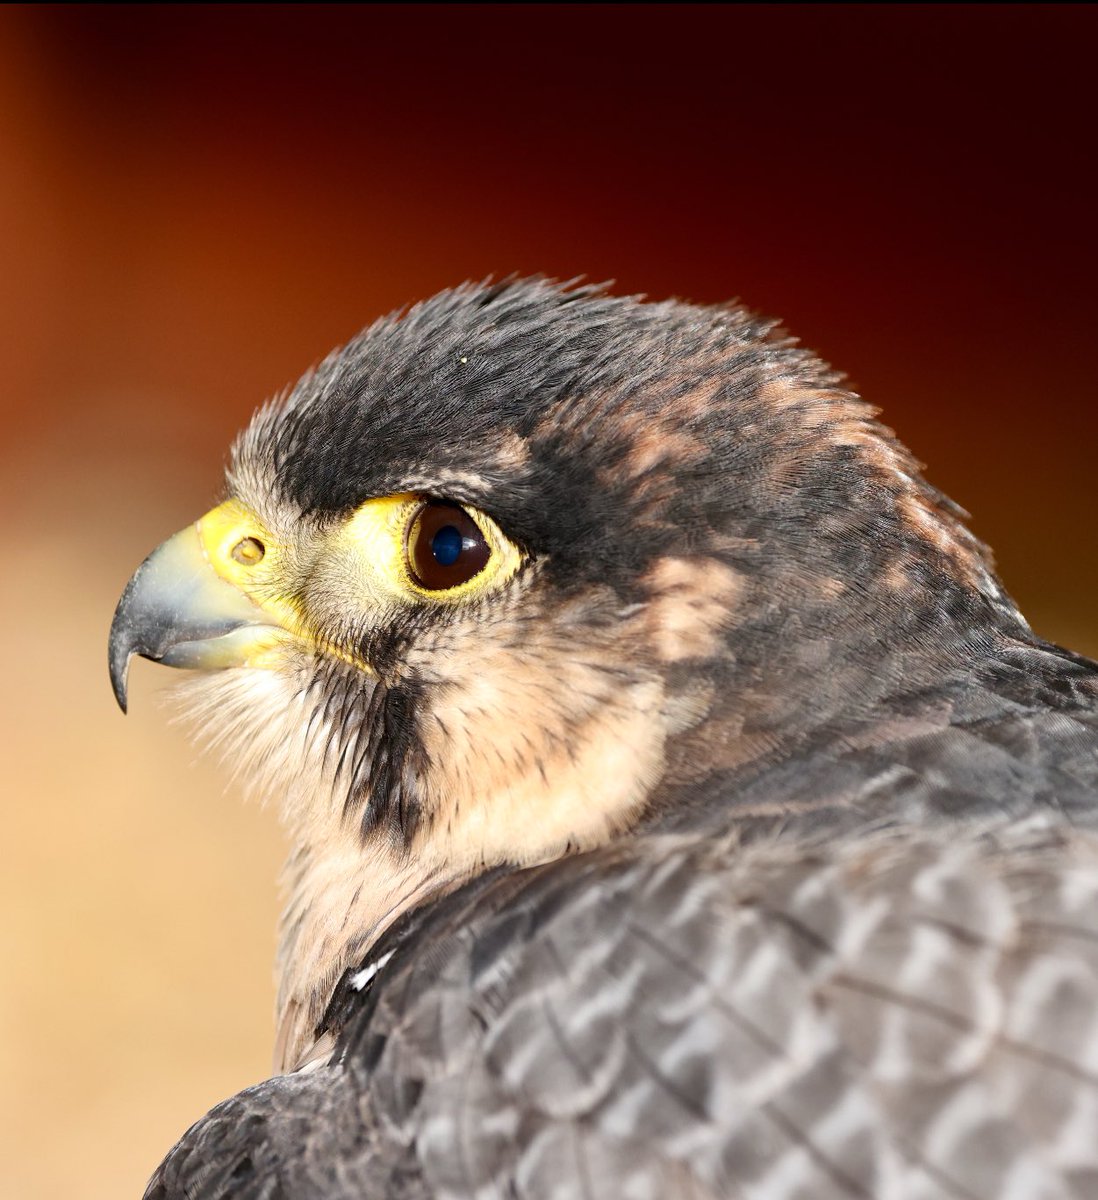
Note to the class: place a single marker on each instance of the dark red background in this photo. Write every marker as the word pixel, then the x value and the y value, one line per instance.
pixel 213 197
pixel 196 203
pixel 207 199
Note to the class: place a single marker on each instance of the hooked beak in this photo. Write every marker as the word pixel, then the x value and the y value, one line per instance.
pixel 181 609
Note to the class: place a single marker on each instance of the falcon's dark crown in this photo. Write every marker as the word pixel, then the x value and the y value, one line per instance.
pixel 602 432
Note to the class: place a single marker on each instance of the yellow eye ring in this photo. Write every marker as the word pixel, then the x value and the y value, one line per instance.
pixel 413 548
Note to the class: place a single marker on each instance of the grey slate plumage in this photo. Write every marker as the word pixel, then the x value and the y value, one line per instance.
pixel 903 1016
pixel 840 939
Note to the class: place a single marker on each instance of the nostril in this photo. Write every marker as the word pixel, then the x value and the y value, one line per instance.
pixel 248 551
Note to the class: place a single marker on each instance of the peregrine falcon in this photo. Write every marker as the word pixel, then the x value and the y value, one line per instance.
pixel 679 805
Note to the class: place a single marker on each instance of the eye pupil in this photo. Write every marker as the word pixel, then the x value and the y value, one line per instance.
pixel 446 545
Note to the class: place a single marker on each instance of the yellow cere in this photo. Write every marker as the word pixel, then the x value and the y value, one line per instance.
pixel 243 553
pixel 239 549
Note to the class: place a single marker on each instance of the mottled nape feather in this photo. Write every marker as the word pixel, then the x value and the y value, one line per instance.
pixel 740 844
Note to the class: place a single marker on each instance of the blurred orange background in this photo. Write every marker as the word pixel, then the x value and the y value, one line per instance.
pixel 196 204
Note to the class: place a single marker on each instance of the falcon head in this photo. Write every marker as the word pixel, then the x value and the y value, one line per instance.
pixel 530 568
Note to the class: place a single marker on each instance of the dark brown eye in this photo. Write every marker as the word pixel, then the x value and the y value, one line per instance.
pixel 445 547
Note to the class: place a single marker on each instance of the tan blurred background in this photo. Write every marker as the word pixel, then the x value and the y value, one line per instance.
pixel 195 205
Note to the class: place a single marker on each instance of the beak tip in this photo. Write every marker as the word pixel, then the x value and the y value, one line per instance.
pixel 120 669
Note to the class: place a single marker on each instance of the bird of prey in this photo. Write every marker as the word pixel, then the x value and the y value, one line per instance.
pixel 679 805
